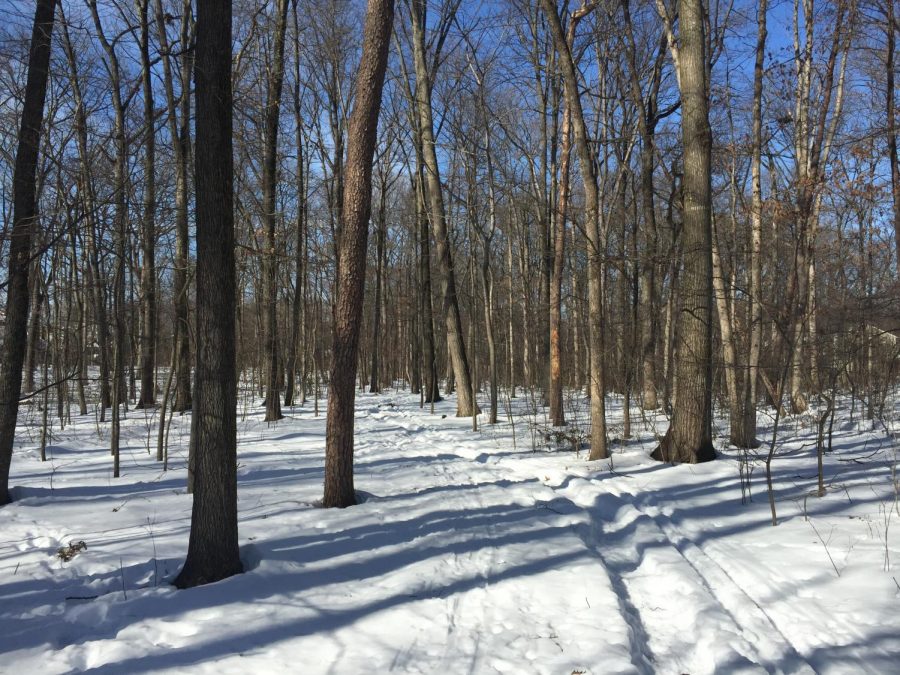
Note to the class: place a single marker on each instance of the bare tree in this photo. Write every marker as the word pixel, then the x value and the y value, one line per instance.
pixel 465 405
pixel 274 84
pixel 178 118
pixel 24 224
pixel 596 246
pixel 689 437
pixel 357 199
pixel 213 547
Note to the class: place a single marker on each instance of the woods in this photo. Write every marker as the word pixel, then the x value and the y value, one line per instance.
pixel 687 209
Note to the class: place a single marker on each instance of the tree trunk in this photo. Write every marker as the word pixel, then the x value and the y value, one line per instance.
pixel 557 412
pixel 357 200
pixel 432 386
pixel 299 303
pixel 465 404
pixel 269 187
pixel 34 324
pixel 726 333
pixel 381 234
pixel 689 437
pixel 747 436
pixel 148 230
pixel 24 220
pixel 890 29
pixel 596 245
pixel 213 547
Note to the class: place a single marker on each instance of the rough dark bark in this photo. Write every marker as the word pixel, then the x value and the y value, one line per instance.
pixel 213 547
pixel 24 223
pixel 357 201
pixel 269 186
pixel 689 437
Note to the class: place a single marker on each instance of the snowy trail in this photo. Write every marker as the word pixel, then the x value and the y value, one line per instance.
pixel 643 554
pixel 466 555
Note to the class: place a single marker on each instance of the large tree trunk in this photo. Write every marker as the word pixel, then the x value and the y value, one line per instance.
pixel 24 219
pixel 269 187
pixel 357 200
pixel 213 547
pixel 465 404
pixel 689 438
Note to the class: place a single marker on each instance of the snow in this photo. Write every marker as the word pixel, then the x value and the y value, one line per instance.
pixel 472 552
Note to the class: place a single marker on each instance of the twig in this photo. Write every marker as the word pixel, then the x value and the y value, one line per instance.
pixel 827 552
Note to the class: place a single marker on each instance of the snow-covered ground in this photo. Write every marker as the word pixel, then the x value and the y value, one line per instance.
pixel 471 553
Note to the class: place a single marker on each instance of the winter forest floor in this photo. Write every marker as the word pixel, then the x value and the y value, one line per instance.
pixel 472 552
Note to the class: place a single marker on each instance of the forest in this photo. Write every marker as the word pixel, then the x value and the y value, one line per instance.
pixel 482 336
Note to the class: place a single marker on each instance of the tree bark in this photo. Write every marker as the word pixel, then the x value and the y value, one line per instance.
pixel 357 200
pixel 213 547
pixel 689 437
pixel 380 236
pixel 465 404
pixel 24 223
pixel 274 85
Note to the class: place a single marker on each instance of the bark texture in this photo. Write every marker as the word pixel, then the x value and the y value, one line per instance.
pixel 689 438
pixel 24 222
pixel 213 547
pixel 362 137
